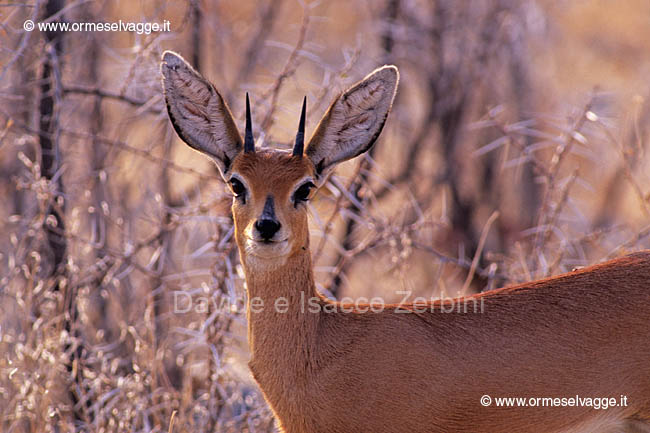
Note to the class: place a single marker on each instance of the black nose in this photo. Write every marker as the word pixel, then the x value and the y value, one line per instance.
pixel 267 228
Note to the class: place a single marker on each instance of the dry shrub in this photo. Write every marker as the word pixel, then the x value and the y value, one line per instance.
pixel 488 173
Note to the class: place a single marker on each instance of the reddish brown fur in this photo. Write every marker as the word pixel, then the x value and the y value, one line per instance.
pixel 281 172
pixel 580 333
pixel 405 370
pixel 583 333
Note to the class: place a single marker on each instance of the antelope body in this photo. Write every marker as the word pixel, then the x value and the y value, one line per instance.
pixel 329 367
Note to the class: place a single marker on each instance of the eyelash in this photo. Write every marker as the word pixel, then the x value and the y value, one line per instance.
pixel 238 189
pixel 302 193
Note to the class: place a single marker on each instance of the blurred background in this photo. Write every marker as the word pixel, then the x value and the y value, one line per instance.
pixel 516 150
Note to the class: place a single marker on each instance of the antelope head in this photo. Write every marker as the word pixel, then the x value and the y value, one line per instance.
pixel 271 187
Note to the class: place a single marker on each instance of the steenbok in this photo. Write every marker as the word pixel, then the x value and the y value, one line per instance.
pixel 575 349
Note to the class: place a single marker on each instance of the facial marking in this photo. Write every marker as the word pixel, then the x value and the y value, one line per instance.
pixel 272 178
pixel 269 209
pixel 301 182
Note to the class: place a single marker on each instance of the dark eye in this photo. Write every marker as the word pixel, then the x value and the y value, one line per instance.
pixel 238 188
pixel 302 193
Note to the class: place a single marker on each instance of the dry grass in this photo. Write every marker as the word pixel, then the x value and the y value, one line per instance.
pixel 500 163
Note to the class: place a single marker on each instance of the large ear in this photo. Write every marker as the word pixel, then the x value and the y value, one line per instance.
pixel 199 114
pixel 354 120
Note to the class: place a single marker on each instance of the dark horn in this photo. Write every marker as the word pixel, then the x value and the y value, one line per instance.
pixel 249 143
pixel 299 147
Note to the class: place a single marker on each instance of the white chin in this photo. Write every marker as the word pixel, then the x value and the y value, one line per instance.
pixel 267 251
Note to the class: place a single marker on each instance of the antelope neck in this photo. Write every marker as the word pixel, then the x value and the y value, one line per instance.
pixel 281 326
